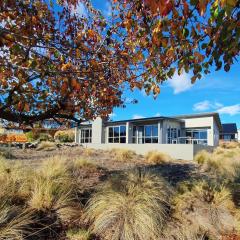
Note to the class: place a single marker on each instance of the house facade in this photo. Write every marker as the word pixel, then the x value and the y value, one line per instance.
pixel 179 136
pixel 229 132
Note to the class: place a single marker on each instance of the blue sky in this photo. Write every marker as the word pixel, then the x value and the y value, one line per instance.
pixel 218 91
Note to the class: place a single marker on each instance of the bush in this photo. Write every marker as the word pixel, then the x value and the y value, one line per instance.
pixel 132 206
pixel 155 157
pixel 47 146
pixel 205 208
pixel 121 154
pixel 65 136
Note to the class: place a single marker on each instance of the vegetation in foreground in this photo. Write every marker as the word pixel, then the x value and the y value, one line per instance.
pixel 50 201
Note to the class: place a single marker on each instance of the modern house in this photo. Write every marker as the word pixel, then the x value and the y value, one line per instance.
pixel 229 132
pixel 179 136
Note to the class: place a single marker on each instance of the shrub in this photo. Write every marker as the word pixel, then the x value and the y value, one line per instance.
pixel 132 206
pixel 155 157
pixel 122 154
pixel 65 136
pixel 207 209
pixel 47 146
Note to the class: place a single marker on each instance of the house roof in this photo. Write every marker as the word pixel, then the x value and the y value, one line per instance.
pixel 199 115
pixel 229 128
pixel 145 119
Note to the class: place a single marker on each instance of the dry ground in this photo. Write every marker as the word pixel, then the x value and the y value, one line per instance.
pixel 175 171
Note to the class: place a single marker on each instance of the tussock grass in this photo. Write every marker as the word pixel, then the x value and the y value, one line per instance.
pixel 123 155
pixel 80 163
pixel 54 167
pixel 78 234
pixel 46 145
pixel 15 181
pixel 89 152
pixel 205 208
pixel 132 206
pixel 229 145
pixel 14 225
pixel 155 157
pixel 224 164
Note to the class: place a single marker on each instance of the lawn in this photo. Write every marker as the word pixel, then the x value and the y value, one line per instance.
pixel 69 192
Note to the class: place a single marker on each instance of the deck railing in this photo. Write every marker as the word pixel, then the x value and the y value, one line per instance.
pixel 189 140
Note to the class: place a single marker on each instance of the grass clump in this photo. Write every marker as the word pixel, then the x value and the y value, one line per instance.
pixel 78 234
pixel 64 136
pixel 89 152
pixel 13 223
pixel 80 163
pixel 223 164
pixel 132 206
pixel 121 154
pixel 202 156
pixel 155 157
pixel 46 145
pixel 229 145
pixel 206 209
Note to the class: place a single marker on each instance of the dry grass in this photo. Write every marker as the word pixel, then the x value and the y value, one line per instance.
pixel 224 164
pixel 14 225
pixel 133 206
pixel 155 157
pixel 89 152
pixel 46 145
pixel 121 154
pixel 78 234
pixel 205 209
pixel 229 145
pixel 80 163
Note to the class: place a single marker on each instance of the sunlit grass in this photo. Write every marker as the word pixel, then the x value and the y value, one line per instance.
pixel 156 157
pixel 132 206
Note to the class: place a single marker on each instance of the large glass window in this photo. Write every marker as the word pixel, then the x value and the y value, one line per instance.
pixel 197 136
pixel 117 134
pixel 145 134
pixel 86 135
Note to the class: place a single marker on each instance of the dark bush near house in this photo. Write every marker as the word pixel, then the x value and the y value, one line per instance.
pixel 64 136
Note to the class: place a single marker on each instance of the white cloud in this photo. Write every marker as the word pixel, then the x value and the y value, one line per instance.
pixel 201 106
pixel 112 115
pixel 206 105
pixel 80 9
pixel 157 114
pixel 180 83
pixel 230 110
pixel 136 116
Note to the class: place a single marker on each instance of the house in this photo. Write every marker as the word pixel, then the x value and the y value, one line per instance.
pixel 239 135
pixel 229 132
pixel 179 136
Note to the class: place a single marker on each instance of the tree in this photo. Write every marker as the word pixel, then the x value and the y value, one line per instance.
pixel 56 63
